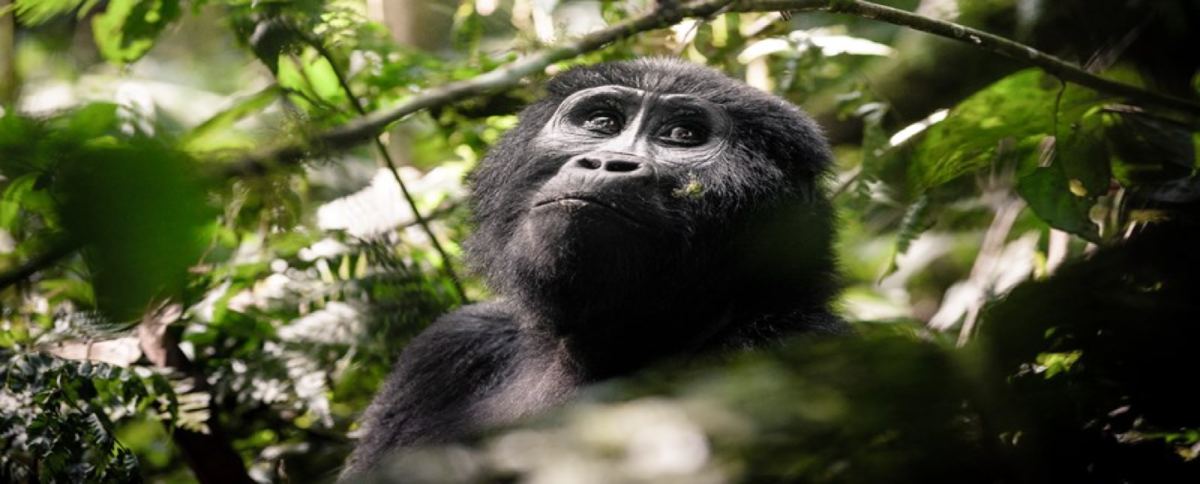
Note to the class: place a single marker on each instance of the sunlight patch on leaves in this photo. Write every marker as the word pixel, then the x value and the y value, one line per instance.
pixel 829 42
pixel 128 28
pixel 37 12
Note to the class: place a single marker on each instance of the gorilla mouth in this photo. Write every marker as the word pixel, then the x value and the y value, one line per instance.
pixel 575 200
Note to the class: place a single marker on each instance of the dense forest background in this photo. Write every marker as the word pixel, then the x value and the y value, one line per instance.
pixel 221 220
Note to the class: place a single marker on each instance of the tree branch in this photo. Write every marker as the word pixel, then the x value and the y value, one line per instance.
pixel 367 127
pixel 210 455
pixel 57 250
pixel 990 42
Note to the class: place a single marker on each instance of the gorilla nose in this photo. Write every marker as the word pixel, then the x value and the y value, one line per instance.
pixel 607 164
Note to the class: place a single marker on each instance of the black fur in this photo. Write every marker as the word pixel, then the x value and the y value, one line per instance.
pixel 730 252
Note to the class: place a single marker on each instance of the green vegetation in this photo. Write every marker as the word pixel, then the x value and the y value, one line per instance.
pixel 220 221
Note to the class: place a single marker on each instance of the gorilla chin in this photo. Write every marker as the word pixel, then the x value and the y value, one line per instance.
pixel 580 248
pixel 640 211
pixel 587 232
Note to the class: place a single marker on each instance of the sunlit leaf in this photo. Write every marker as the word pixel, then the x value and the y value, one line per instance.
pixel 128 28
pixel 323 79
pixel 212 133
pixel 763 47
pixel 35 12
pixel 800 41
pixel 1019 107
pixel 14 193
pixel 914 223
pixel 92 121
pixel 831 43
pixel 312 78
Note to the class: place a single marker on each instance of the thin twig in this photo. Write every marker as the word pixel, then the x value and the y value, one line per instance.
pixel 447 264
pixel 57 250
pixel 435 214
pixel 986 41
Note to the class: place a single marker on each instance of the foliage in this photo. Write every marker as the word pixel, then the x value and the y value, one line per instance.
pixel 1016 259
pixel 57 417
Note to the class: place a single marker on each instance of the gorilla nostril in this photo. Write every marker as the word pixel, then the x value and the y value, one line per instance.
pixel 588 163
pixel 621 166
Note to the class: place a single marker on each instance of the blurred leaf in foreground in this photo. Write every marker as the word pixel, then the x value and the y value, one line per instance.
pixel 140 211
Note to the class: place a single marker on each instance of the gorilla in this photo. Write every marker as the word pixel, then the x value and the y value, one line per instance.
pixel 642 210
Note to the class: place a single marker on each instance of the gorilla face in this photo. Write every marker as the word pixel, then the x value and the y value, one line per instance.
pixel 621 154
pixel 632 187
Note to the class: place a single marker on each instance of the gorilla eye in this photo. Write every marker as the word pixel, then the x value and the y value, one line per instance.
pixel 683 135
pixel 603 122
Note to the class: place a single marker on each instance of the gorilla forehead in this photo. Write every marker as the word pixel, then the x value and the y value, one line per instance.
pixel 661 75
pixel 668 76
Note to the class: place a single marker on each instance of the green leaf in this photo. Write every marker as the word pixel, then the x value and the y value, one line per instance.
pixel 213 134
pixel 468 28
pixel 291 78
pixel 97 430
pixel 92 121
pixel 70 289
pixel 875 140
pixel 36 12
pixel 141 212
pixel 19 145
pixel 1150 150
pixel 915 221
pixel 1047 190
pixel 1015 108
pixel 1083 153
pixel 10 203
pixel 324 79
pixel 128 28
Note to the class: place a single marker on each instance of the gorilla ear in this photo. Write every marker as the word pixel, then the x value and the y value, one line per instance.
pixel 789 140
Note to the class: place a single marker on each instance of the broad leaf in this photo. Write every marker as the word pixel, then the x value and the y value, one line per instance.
pixel 214 133
pixel 142 215
pixel 1083 153
pixel 36 12
pixel 1015 109
pixel 1047 190
pixel 128 28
